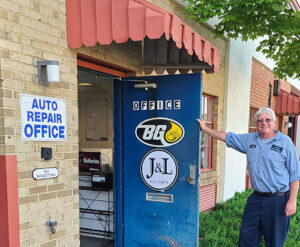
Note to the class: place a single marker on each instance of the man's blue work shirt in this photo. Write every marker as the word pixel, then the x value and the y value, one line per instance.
pixel 272 166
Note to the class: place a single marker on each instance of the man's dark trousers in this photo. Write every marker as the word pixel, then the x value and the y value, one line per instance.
pixel 265 216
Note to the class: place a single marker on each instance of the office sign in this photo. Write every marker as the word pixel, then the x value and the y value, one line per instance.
pixel 43 118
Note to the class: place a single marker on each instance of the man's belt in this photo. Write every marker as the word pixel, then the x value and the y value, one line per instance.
pixel 287 193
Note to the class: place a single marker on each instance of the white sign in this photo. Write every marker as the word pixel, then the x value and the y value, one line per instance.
pixel 98 178
pixel 159 169
pixel 43 118
pixel 45 173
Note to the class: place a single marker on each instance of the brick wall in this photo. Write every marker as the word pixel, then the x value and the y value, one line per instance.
pixel 36 30
pixel 31 31
pixel 260 79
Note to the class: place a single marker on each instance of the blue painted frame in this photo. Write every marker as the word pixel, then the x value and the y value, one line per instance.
pixel 118 166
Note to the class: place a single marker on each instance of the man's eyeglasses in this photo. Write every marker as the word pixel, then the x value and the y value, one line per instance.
pixel 267 120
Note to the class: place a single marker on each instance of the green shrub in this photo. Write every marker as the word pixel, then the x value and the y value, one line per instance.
pixel 221 226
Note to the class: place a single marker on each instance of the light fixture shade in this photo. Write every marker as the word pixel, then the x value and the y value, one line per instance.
pixel 276 91
pixel 48 71
pixel 288 125
pixel 53 73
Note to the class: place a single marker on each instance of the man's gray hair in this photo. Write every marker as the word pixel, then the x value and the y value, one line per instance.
pixel 266 110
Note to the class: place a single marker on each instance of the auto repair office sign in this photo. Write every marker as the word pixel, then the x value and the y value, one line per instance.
pixel 43 118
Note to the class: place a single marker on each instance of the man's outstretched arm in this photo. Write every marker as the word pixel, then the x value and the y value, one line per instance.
pixel 213 133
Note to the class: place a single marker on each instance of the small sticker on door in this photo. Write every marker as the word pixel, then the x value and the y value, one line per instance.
pixel 159 132
pixel 159 170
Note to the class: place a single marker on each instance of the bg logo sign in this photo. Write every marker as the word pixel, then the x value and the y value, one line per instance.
pixel 159 132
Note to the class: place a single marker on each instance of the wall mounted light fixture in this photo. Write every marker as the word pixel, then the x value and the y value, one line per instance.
pixel 288 125
pixel 276 91
pixel 48 71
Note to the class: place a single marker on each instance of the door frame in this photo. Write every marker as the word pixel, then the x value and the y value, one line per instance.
pixel 116 72
pixel 118 169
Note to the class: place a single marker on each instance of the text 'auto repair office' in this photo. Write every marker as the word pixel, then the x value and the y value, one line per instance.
pixel 100 140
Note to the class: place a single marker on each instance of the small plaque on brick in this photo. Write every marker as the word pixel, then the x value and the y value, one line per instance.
pixel 45 173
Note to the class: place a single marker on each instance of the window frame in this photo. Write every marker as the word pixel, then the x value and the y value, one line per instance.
pixel 209 147
pixel 252 127
pixel 252 110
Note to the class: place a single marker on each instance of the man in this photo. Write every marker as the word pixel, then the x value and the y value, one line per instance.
pixel 274 171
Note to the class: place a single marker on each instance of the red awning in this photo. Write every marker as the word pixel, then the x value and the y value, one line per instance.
pixel 295 5
pixel 105 21
pixel 287 104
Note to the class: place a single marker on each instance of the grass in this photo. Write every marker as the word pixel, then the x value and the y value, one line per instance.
pixel 221 226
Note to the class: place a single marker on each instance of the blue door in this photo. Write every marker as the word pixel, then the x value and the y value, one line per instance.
pixel 157 160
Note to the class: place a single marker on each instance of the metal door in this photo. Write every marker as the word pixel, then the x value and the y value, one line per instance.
pixel 157 160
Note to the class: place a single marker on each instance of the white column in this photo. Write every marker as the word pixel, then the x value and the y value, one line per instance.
pixel 237 105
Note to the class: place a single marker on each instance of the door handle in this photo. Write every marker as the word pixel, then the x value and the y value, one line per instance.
pixel 145 86
pixel 192 178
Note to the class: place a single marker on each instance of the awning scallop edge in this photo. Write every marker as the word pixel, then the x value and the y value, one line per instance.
pixel 103 21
